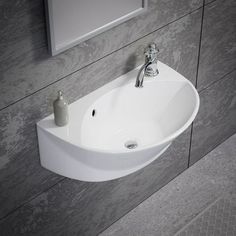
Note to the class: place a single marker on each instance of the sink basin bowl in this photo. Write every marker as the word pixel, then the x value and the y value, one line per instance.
pixel 118 129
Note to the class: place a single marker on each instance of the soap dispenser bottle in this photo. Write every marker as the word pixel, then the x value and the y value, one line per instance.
pixel 60 107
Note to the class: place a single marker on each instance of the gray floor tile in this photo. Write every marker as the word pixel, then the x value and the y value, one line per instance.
pixel 218 219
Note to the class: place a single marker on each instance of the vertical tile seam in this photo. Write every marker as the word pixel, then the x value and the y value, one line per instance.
pixel 214 147
pixel 200 43
pixel 196 81
pixel 190 145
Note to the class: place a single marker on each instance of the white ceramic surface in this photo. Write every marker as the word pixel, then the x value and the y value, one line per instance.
pixel 92 147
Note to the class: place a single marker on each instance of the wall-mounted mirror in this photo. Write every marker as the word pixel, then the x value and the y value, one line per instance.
pixel 73 21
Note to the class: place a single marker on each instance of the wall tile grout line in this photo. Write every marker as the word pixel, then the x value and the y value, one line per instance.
pixel 218 80
pixel 44 87
pixel 200 44
pixel 30 199
pixel 198 60
pixel 208 3
pixel 190 144
pixel 214 147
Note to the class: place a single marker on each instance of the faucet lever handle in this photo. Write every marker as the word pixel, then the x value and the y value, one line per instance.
pixel 151 52
pixel 151 60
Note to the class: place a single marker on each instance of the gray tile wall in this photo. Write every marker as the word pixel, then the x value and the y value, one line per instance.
pixel 34 201
pixel 216 81
pixel 26 65
pixel 218 53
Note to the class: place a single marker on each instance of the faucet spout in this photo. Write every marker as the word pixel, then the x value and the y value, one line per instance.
pixel 140 76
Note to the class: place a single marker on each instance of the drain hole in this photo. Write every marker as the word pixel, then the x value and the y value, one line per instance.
pixel 131 144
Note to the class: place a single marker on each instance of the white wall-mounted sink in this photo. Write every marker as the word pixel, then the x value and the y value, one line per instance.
pixel 118 128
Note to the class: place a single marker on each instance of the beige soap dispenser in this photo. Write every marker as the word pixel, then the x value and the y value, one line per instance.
pixel 60 107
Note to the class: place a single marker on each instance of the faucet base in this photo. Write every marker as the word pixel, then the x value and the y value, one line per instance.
pixel 151 72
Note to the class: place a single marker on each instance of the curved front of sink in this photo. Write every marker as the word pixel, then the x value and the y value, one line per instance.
pixel 76 162
pixel 118 129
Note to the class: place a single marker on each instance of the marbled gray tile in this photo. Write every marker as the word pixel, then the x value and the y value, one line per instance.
pixel 18 142
pixel 218 54
pixel 22 29
pixel 25 63
pixel 180 201
pixel 216 119
pixel 80 208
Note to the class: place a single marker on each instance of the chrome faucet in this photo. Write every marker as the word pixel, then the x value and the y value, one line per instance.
pixel 150 66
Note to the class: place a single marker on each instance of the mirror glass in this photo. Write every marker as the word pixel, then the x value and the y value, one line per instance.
pixel 73 21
